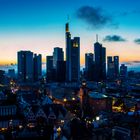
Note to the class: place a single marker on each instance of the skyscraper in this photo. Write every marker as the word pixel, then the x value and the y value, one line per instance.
pixel 58 55
pixel 37 66
pixel 72 57
pixel 89 66
pixel 59 65
pixel 112 67
pixel 49 68
pixel 25 66
pixel 116 65
pixel 100 61
pixel 123 71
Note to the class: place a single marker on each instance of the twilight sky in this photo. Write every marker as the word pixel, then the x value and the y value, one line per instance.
pixel 39 26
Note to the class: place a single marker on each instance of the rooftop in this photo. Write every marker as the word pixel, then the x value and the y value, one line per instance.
pixel 97 95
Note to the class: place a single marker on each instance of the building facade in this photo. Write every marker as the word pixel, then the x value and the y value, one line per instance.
pixel 89 66
pixel 100 61
pixel 72 57
pixel 37 67
pixel 25 66
pixel 49 68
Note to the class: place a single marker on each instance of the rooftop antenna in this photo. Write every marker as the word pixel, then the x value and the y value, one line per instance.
pixel 96 37
pixel 67 24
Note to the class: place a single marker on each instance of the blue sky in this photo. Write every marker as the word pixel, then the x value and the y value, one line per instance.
pixel 39 26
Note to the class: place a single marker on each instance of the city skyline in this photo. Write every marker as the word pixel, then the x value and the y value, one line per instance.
pixel 39 26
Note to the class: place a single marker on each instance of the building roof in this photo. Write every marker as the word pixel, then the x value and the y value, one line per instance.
pixel 97 95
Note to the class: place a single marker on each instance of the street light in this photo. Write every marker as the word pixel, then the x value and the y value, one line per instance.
pixel 73 99
pixel 65 100
pixel 97 118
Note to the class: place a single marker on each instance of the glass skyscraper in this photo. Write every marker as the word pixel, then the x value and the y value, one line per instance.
pixel 72 57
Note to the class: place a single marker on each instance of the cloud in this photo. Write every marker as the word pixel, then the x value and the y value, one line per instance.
pixel 135 62
pixel 137 41
pixel 138 62
pixel 95 17
pixel 114 38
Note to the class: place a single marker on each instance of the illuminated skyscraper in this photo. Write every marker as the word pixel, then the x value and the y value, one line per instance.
pixel 72 57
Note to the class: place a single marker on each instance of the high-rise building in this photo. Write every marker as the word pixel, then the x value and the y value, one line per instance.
pixel 89 66
pixel 25 66
pixel 100 61
pixel 58 59
pixel 123 70
pixel 112 67
pixel 116 65
pixel 58 55
pixel 11 73
pixel 61 71
pixel 72 57
pixel 37 66
pixel 49 68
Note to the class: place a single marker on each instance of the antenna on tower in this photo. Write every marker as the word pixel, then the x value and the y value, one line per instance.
pixel 67 24
pixel 96 37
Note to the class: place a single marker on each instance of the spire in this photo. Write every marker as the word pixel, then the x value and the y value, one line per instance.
pixel 67 24
pixel 67 27
pixel 96 37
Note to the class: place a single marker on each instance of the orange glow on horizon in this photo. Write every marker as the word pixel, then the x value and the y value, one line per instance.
pixel 82 61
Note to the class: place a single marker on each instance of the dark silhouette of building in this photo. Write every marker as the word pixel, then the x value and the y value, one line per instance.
pixel 58 55
pixel 116 65
pixel 37 67
pixel 59 65
pixel 50 69
pixel 89 66
pixel 11 73
pixel 100 61
pixel 2 76
pixel 61 71
pixel 123 71
pixel 72 57
pixel 25 66
pixel 112 67
pixel 29 66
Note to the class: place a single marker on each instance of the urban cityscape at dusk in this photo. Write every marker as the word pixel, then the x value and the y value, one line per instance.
pixel 69 70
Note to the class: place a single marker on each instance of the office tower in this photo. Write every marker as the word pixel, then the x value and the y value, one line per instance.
pixel 25 66
pixel 37 67
pixel 123 70
pixel 116 65
pixel 100 61
pixel 72 57
pixel 110 67
pixel 58 55
pixel 58 62
pixel 11 73
pixel 61 71
pixel 49 68
pixel 89 66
